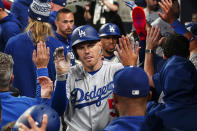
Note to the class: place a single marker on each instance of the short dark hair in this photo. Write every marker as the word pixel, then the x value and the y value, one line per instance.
pixel 63 10
pixel 176 44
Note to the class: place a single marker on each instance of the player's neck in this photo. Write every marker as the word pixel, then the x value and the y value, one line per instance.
pixel 4 89
pixel 63 35
pixel 107 54
pixel 133 110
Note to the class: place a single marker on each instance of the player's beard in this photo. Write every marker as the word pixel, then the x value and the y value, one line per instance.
pixel 111 53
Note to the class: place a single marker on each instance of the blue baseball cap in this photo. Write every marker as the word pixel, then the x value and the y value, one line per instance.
pixel 1 4
pixel 60 2
pixel 131 82
pixel 37 112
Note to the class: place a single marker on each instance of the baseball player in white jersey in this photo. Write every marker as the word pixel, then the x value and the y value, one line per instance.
pixel 89 84
pixel 109 34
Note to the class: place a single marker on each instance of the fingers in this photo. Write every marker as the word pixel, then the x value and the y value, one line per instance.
pixel 44 79
pixel 22 127
pixel 44 122
pixel 161 41
pixel 156 33
pixel 59 53
pixel 124 43
pixel 137 50
pixel 31 122
pixel 34 56
pixel 68 57
pixel 161 15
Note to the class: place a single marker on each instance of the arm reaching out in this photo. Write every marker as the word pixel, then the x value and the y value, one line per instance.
pixel 152 39
pixel 170 14
pixel 126 52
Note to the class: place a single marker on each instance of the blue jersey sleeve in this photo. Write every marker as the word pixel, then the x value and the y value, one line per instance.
pixel 59 98
pixel 40 72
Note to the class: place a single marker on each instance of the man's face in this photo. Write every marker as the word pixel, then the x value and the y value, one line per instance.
pixel 109 44
pixel 89 54
pixel 152 5
pixel 65 23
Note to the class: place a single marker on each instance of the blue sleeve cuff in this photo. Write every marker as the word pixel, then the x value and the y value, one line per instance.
pixel 42 72
pixel 178 27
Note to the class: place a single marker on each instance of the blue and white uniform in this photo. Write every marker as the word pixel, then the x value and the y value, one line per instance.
pixel 89 97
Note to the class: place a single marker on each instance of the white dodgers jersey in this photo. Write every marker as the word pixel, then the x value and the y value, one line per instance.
pixel 90 98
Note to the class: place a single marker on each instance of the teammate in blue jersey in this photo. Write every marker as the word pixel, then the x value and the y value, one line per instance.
pixel 21 48
pixel 176 82
pixel 109 34
pixel 13 107
pixel 89 85
pixel 65 25
pixel 130 95
pixel 9 26
pixel 56 5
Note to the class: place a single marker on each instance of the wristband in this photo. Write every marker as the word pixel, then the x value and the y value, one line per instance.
pixel 42 72
pixel 178 27
pixel 61 77
pixel 150 51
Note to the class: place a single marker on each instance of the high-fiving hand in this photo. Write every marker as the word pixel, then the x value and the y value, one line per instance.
pixel 62 65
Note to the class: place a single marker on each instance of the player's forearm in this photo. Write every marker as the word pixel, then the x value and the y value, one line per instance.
pixel 59 98
pixel 181 29
pixel 149 67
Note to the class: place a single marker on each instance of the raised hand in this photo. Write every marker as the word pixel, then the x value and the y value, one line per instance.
pixel 152 38
pixel 126 52
pixel 170 10
pixel 41 57
pixel 62 65
pixel 33 125
pixel 46 86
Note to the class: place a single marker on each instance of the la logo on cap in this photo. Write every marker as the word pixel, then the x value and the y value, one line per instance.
pixel 82 33
pixel 111 28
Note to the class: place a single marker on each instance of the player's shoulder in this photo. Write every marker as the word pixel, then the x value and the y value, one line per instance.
pixel 107 64
pixel 18 38
pixel 110 67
